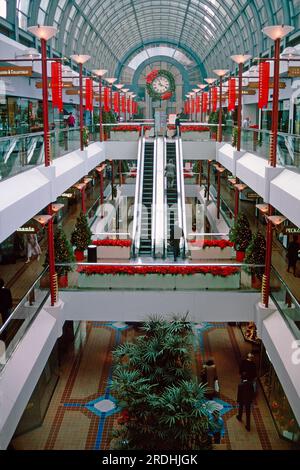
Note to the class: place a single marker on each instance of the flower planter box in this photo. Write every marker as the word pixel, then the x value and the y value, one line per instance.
pixel 159 282
pixel 195 135
pixel 124 136
pixel 113 252
pixel 211 252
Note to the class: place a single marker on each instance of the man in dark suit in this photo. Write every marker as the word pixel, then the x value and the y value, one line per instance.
pixel 5 301
pixel 245 397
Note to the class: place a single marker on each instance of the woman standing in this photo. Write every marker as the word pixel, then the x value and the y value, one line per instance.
pixel 32 247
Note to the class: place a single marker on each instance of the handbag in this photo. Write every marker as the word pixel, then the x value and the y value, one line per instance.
pixel 217 387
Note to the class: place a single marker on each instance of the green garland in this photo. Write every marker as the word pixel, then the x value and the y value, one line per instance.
pixel 157 96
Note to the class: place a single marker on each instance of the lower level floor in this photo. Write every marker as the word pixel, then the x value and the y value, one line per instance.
pixel 82 412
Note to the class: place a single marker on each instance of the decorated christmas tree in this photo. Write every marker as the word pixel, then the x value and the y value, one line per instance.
pixel 63 252
pixel 240 233
pixel 163 408
pixel 256 252
pixel 82 234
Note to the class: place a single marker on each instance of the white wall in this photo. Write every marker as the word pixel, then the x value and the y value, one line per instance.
pixel 24 195
pixel 137 305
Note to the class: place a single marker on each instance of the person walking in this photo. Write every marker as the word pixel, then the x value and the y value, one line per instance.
pixel 175 238
pixel 209 375
pixel 170 172
pixel 248 367
pixel 245 397
pixel 71 120
pixel 177 126
pixel 292 254
pixel 5 301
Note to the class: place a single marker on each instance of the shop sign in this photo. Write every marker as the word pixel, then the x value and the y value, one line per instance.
pixel 72 92
pixel 15 71
pixel 26 229
pixel 252 196
pixel 67 195
pixel 294 230
pixel 64 84
pixel 294 72
pixel 255 85
pixel 248 92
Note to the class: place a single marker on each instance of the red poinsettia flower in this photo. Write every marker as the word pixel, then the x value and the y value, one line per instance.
pixel 110 242
pixel 223 271
pixel 219 243
pixel 151 76
pixel 167 95
pixel 126 128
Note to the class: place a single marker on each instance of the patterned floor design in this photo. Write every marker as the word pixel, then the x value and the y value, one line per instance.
pixel 82 411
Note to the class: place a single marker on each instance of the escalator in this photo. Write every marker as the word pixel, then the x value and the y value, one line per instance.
pixel 172 196
pixel 147 198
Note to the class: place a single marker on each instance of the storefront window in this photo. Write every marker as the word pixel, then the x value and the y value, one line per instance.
pixel 281 411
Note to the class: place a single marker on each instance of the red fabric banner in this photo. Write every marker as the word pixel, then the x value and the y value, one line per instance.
pixel 56 85
pixel 204 102
pixel 129 105
pixel 231 94
pixel 123 104
pixel 263 84
pixel 116 102
pixel 214 99
pixel 106 101
pixel 89 94
pixel 198 104
pixel 192 105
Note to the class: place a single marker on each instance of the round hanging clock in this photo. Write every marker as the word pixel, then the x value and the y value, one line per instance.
pixel 160 85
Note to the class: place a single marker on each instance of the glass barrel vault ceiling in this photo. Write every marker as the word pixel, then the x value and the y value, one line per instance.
pixel 114 31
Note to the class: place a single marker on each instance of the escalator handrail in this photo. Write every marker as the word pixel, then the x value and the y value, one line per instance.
pixel 138 195
pixel 181 192
pixel 154 199
pixel 165 203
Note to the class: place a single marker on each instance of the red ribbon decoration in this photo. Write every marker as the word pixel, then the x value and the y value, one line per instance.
pixel 106 101
pixel 214 99
pixel 231 94
pixel 89 94
pixel 204 102
pixel 263 84
pixel 116 102
pixel 56 85
pixel 198 104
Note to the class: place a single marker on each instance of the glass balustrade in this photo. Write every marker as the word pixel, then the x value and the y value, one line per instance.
pixel 285 302
pixel 21 318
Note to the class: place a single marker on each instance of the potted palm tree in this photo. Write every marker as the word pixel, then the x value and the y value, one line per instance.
pixel 81 236
pixel 240 235
pixel 163 407
pixel 256 254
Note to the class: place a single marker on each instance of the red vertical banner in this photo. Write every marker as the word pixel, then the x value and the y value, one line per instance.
pixel 231 94
pixel 214 99
pixel 135 107
pixel 129 105
pixel 116 102
pixel 123 104
pixel 263 84
pixel 106 100
pixel 56 85
pixel 192 105
pixel 204 102
pixel 89 94
pixel 198 104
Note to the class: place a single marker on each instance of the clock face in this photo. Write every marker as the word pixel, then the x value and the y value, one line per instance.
pixel 161 84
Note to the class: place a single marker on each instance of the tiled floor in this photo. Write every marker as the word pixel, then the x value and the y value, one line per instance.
pixel 73 420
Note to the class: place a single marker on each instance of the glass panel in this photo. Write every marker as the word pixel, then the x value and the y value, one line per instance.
pixel 20 320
